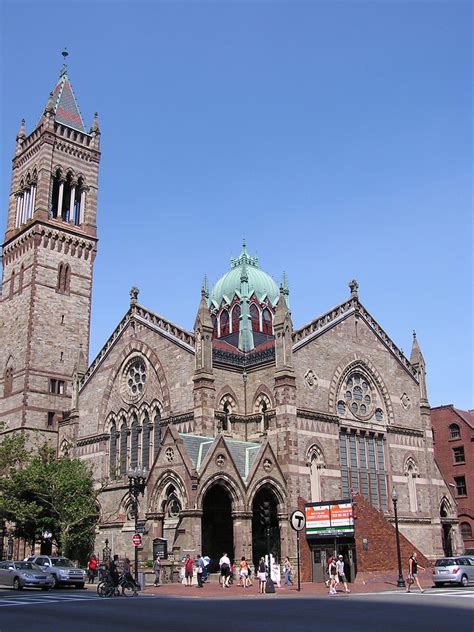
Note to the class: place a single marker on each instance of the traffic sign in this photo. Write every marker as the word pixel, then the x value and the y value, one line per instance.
pixel 297 520
pixel 137 539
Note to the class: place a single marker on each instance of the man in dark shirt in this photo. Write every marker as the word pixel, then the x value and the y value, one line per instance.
pixel 113 571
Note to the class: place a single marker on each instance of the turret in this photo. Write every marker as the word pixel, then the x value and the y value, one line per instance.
pixel 418 363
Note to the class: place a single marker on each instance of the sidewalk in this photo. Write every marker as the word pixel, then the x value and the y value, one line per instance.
pixel 212 589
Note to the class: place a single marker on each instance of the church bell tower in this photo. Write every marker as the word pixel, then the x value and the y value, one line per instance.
pixel 48 256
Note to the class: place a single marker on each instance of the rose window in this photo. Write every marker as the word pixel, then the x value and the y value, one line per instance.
pixel 136 377
pixel 358 396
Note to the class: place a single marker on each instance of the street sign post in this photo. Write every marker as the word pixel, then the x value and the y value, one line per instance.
pixel 137 539
pixel 297 522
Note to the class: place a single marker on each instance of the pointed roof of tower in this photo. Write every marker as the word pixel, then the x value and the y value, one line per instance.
pixel 63 102
pixel 416 357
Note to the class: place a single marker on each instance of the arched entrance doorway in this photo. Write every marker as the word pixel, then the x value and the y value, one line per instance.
pixel 446 525
pixel 217 526
pixel 265 535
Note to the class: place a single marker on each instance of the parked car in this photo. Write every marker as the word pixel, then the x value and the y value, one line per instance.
pixel 454 570
pixel 19 575
pixel 64 571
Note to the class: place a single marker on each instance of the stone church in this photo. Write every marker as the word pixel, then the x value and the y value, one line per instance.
pixel 241 413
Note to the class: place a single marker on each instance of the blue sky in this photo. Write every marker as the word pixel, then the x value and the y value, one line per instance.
pixel 334 136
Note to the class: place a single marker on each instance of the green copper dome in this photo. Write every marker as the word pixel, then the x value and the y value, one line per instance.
pixel 259 282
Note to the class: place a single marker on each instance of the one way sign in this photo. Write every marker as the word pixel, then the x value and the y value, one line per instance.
pixel 297 520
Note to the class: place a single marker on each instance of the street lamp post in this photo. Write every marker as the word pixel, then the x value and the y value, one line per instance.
pixel 400 581
pixel 136 486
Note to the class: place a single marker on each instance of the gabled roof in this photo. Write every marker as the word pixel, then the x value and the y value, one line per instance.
pixel 243 452
pixel 320 325
pixel 65 108
pixel 466 415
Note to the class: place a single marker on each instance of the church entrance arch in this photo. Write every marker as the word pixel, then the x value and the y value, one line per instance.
pixel 217 525
pixel 265 534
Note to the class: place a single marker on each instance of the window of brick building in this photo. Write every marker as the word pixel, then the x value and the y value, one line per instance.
pixel 454 431
pixel 461 489
pixel 466 530
pixel 50 419
pixel 458 454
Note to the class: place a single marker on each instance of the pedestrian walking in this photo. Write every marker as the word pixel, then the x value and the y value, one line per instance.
pixel 332 576
pixel 224 565
pixel 244 572
pixel 200 570
pixel 157 570
pixel 340 572
pixel 288 571
pixel 262 576
pixel 413 567
pixel 188 570
pixel 92 568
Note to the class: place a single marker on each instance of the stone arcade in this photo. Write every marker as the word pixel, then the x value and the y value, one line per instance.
pixel 241 411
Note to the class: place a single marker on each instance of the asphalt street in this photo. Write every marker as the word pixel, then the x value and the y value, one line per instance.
pixel 72 610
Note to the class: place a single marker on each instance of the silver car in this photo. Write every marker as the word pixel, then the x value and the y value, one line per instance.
pixel 19 575
pixel 62 570
pixel 454 570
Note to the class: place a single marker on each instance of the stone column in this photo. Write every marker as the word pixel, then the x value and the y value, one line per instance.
pixel 59 213
pixel 71 203
pixel 287 537
pixel 18 210
pixel 242 524
pixel 33 200
pixel 82 209
pixel 189 539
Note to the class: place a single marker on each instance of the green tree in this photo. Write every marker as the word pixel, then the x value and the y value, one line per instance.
pixel 55 495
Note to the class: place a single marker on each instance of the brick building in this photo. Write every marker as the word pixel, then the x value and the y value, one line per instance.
pixel 453 432
pixel 243 412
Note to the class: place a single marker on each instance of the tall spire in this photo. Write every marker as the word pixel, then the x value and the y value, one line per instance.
pixel 416 357
pixel 418 362
pixel 62 104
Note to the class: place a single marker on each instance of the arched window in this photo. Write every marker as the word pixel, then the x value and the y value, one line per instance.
pixel 12 283
pixel 214 325
pixel 8 381
pixel 134 442
pixel 146 443
pixel 224 321
pixel 267 322
pixel 236 318
pixel 225 421
pixel 255 317
pixel 466 530
pixel 316 464
pixel 113 451
pixel 123 448
pixel 64 279
pixel 454 431
pixel 156 432
pixel 411 472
